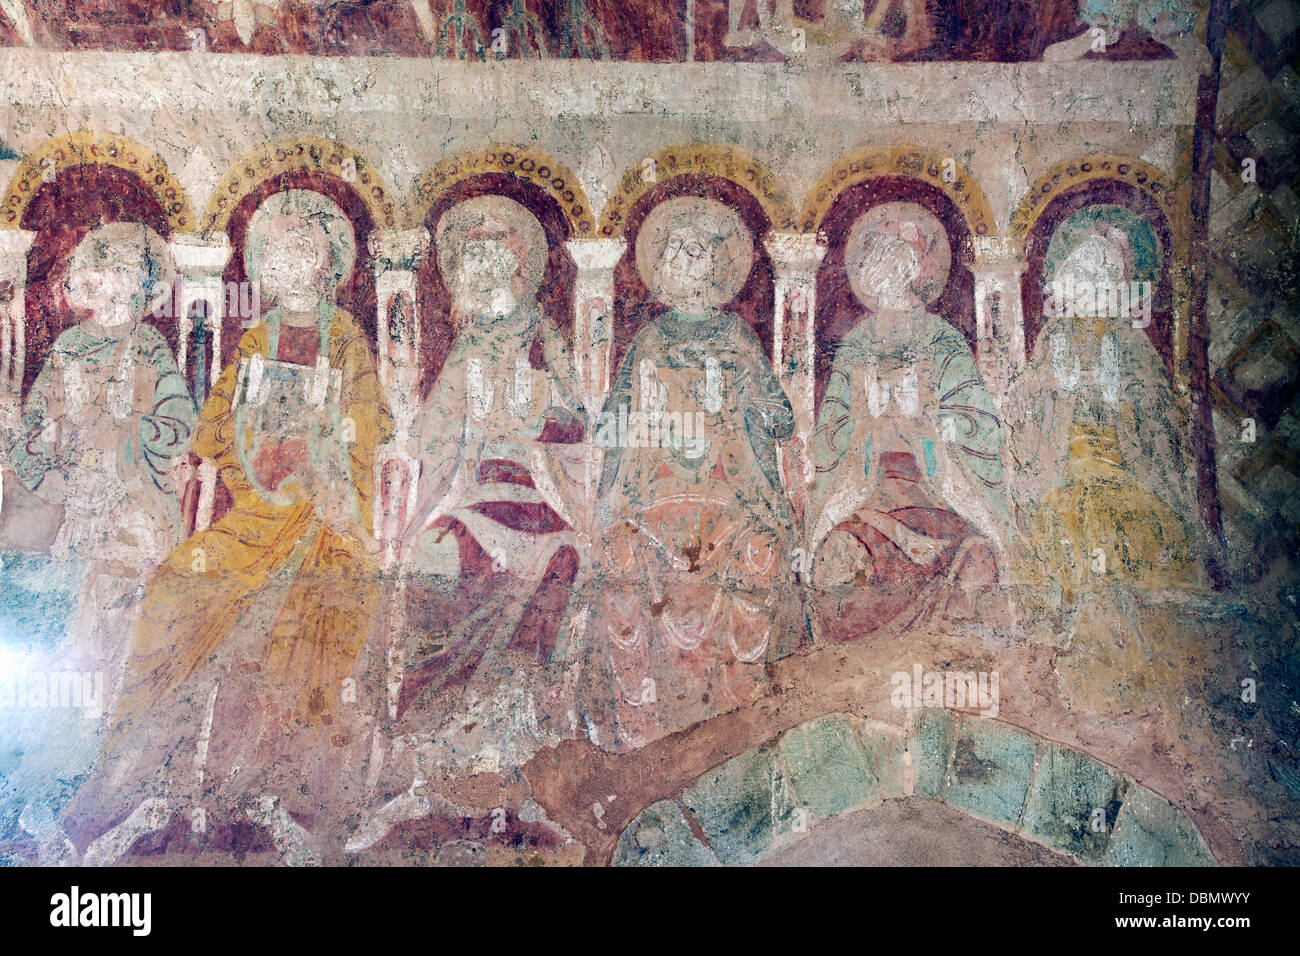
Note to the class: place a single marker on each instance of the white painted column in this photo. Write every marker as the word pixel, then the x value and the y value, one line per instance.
pixel 14 246
pixel 396 255
pixel 796 257
pixel 593 315
pixel 201 264
pixel 1000 339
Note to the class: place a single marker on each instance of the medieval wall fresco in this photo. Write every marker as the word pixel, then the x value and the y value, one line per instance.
pixel 648 433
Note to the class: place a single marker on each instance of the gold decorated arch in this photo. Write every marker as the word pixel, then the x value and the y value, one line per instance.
pixel 724 162
pixel 1098 166
pixel 303 155
pixel 1172 201
pixel 529 165
pixel 907 162
pixel 95 149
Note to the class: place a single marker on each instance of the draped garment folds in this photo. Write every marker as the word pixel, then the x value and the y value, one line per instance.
pixel 696 589
pixel 1093 409
pixel 120 413
pixel 253 628
pixel 908 497
pixel 490 558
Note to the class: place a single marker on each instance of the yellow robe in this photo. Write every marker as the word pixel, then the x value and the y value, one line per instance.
pixel 198 596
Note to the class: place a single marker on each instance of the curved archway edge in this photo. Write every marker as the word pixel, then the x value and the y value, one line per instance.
pixel 531 166
pixel 89 149
pixel 770 797
pixel 312 155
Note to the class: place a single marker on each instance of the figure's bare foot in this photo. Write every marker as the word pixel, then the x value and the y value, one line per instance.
pixel 411 805
pixel 1073 49
pixel 150 817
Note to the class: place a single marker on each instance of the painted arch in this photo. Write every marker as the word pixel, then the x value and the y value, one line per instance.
pixel 87 148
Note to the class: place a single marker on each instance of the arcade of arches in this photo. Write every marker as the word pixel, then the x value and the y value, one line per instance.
pixel 597 462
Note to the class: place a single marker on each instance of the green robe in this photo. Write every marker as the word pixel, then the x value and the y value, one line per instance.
pixel 958 412
pixel 114 441
pixel 741 434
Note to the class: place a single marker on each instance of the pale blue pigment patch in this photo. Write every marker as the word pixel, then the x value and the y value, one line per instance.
pixel 990 771
pixel 660 836
pixel 1073 803
pixel 734 806
pixel 1151 831
pixel 38 597
pixel 829 771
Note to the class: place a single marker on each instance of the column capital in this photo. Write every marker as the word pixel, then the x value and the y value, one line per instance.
pixel 796 254
pixel 398 249
pixel 997 256
pixel 196 256
pixel 594 254
pixel 393 282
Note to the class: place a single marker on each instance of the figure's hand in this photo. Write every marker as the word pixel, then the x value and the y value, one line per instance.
pixel 336 510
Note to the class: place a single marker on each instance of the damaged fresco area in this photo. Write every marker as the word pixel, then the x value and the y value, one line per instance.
pixel 703 433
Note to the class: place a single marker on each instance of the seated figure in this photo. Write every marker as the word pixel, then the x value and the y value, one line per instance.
pixel 908 511
pixel 696 590
pixel 109 412
pixel 98 441
pixel 241 700
pixel 487 566
pixel 489 559
pixel 1093 405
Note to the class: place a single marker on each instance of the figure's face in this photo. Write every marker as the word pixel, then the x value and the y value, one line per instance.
pixel 686 268
pixel 1094 263
pixel 485 282
pixel 90 288
pixel 295 262
pixel 888 272
pixel 108 281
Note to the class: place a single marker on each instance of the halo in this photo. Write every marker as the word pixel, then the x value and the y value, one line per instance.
pixel 310 206
pixel 915 225
pixel 500 216
pixel 1143 245
pixel 714 222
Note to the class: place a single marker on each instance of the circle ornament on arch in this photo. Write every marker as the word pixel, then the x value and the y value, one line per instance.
pixel 918 228
pixel 689 221
pixel 498 217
